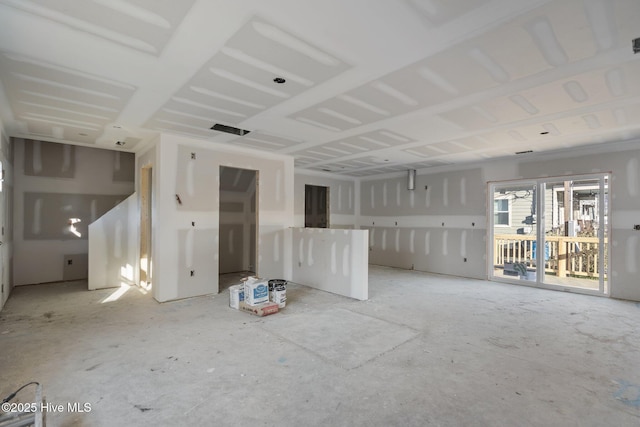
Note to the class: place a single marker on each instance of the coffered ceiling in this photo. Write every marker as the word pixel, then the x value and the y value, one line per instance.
pixel 371 86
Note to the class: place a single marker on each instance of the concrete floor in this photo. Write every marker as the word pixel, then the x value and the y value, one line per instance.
pixel 424 350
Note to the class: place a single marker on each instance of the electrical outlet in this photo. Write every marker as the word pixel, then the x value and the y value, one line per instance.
pixel 636 227
pixel 465 260
pixel 69 262
pixel 192 273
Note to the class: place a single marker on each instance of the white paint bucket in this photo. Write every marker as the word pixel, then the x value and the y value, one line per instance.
pixel 278 292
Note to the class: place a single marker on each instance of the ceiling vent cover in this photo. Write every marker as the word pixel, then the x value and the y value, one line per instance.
pixel 229 129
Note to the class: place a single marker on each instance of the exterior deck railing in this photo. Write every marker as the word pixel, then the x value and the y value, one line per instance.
pixel 563 256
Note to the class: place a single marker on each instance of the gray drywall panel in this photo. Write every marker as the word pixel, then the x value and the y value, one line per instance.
pixel 448 193
pixel 331 260
pixel 271 259
pixel 231 248
pixel 113 246
pixel 236 180
pixel 8 219
pixel 252 248
pixel 49 159
pixel 6 147
pixel 197 264
pixel 6 207
pixel 124 166
pixel 75 267
pixel 196 180
pixel 437 250
pixel 47 215
pixel 231 206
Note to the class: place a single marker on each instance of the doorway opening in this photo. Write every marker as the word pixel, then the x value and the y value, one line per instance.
pixel 145 227
pixel 552 233
pixel 316 206
pixel 238 225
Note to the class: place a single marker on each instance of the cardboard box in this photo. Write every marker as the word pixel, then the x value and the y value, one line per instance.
pixel 256 291
pixel 236 296
pixel 264 309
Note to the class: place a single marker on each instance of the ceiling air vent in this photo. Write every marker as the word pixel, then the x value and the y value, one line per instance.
pixel 229 129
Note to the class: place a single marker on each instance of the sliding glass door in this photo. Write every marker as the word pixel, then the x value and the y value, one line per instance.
pixel 551 232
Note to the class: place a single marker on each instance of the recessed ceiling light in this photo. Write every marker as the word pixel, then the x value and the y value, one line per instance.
pixel 524 152
pixel 82 134
pixel 544 133
pixel 279 80
pixel 120 143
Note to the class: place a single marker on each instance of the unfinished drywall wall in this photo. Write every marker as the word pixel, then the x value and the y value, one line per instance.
pixel 113 246
pixel 443 221
pixel 6 216
pixel 188 214
pixel 332 260
pixel 55 186
pixel 342 198
pixel 439 226
pixel 47 215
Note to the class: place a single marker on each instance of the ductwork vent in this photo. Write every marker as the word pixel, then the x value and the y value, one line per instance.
pixel 411 179
pixel 229 129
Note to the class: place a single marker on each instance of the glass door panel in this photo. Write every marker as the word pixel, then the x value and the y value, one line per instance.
pixel 574 233
pixel 514 231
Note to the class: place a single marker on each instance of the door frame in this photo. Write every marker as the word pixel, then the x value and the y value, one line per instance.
pixel 145 278
pixel 251 241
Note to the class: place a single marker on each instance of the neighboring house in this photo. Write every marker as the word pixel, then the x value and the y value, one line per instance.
pixel 515 211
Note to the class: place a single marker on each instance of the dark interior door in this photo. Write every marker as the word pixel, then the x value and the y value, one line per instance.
pixel 316 206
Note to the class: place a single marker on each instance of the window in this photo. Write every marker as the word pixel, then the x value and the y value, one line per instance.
pixel 501 212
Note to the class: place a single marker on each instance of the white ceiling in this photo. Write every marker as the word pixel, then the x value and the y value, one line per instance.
pixel 372 86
